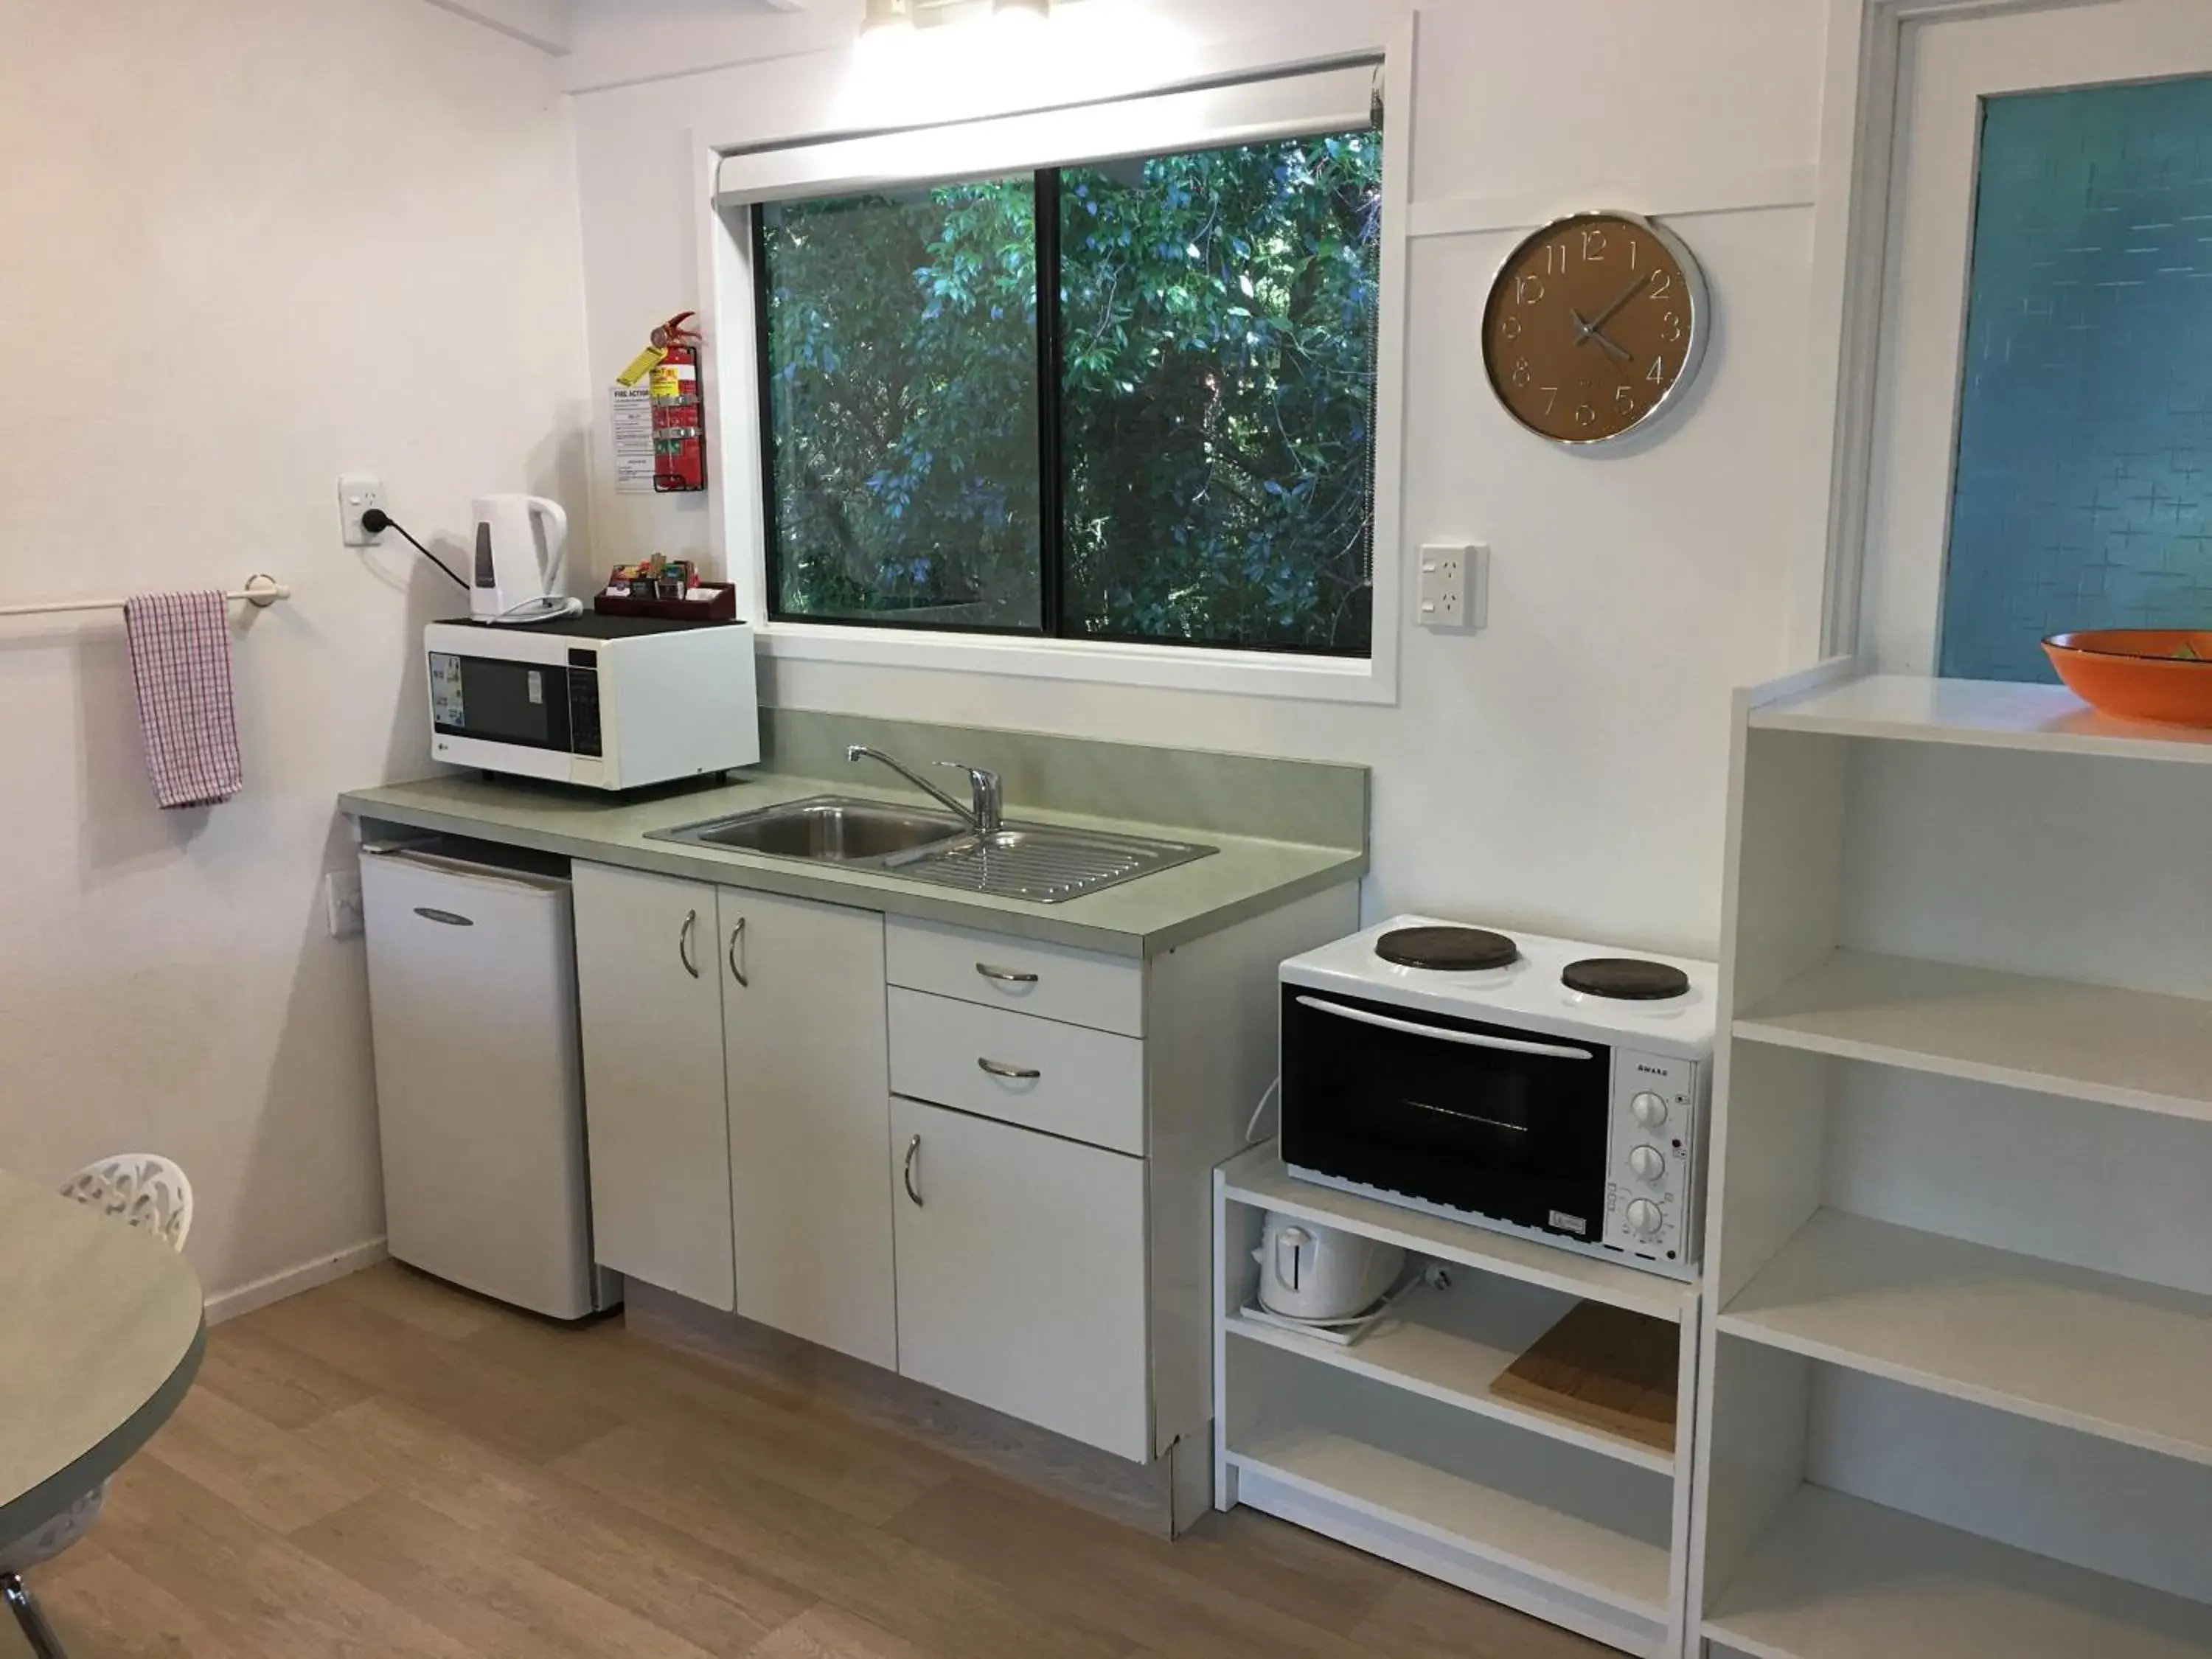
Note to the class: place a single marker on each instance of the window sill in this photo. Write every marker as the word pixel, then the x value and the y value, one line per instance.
pixel 1235 673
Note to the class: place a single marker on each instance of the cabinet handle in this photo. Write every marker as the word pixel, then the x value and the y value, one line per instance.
pixel 1005 975
pixel 737 973
pixel 1019 1073
pixel 913 1152
pixel 683 944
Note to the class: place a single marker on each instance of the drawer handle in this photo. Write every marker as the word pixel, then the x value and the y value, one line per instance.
pixel 1017 1073
pixel 1005 975
pixel 737 970
pixel 913 1152
pixel 683 944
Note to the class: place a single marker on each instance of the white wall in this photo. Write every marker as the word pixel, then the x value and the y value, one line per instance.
pixel 1565 769
pixel 243 248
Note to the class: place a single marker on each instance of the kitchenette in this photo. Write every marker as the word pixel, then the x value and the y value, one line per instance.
pixel 1107 830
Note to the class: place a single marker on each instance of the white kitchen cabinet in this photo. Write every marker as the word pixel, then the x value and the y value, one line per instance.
pixel 810 1192
pixel 649 992
pixel 1021 1273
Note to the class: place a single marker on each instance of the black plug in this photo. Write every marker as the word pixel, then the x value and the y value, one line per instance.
pixel 376 521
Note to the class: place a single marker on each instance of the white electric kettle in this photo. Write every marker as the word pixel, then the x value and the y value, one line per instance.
pixel 520 540
pixel 1323 1274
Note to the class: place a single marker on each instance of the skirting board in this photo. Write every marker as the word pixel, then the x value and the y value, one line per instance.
pixel 1164 1498
pixel 290 1281
pixel 1258 1490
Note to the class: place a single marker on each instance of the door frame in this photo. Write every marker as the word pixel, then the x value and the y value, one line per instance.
pixel 1853 226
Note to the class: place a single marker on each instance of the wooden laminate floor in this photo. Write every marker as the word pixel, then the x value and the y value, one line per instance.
pixel 389 1466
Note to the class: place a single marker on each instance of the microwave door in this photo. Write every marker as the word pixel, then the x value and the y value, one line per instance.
pixel 497 700
pixel 1496 1122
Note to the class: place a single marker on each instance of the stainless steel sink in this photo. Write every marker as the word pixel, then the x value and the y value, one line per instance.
pixel 823 830
pixel 1044 864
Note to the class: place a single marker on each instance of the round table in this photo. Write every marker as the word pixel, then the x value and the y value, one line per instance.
pixel 101 1328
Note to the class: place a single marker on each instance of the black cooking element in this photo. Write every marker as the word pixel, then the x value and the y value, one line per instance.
pixel 1448 950
pixel 1627 979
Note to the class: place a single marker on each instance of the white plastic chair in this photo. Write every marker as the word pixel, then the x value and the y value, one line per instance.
pixel 143 1191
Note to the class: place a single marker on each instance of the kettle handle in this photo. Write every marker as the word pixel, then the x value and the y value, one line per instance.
pixel 556 534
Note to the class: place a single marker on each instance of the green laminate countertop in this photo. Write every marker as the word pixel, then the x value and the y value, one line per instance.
pixel 101 1333
pixel 1144 917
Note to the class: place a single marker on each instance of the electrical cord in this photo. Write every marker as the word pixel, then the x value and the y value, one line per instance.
pixel 1259 1111
pixel 376 521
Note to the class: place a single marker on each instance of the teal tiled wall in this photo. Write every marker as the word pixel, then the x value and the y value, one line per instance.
pixel 2083 491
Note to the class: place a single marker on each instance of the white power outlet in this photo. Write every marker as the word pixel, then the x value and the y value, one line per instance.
pixel 358 493
pixel 341 902
pixel 1454 589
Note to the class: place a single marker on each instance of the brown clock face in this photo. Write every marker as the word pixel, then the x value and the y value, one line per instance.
pixel 1592 322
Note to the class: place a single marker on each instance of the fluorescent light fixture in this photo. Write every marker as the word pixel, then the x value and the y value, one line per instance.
pixel 1021 8
pixel 887 15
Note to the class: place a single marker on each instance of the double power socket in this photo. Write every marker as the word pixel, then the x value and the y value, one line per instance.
pixel 1453 591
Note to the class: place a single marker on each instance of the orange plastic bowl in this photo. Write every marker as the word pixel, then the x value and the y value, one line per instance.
pixel 2139 673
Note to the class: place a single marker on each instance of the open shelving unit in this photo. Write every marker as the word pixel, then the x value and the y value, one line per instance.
pixel 1956 1370
pixel 1398 1445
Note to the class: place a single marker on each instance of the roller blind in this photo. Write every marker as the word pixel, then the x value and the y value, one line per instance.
pixel 1247 111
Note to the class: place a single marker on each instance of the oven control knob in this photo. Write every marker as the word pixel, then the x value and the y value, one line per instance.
pixel 1644 1219
pixel 1649 1110
pixel 1645 1163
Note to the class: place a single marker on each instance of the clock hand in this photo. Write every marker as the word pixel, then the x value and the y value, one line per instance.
pixel 1588 331
pixel 1619 299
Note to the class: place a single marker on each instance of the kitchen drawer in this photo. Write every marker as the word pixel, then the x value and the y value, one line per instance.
pixel 1051 980
pixel 1064 1079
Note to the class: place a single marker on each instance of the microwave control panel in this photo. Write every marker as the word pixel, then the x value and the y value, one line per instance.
pixel 1652 1159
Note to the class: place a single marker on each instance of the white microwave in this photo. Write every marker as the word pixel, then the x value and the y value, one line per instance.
pixel 607 702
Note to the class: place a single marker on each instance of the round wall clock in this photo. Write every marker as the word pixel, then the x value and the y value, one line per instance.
pixel 1594 324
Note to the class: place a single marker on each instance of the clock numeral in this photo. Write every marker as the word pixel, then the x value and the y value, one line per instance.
pixel 1585 416
pixel 1593 244
pixel 1528 290
pixel 1634 247
pixel 1555 258
pixel 1509 329
pixel 1624 399
pixel 1550 397
pixel 1664 287
pixel 1521 373
pixel 1657 373
pixel 1670 327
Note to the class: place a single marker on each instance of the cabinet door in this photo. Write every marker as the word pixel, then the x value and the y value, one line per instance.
pixel 1021 1273
pixel 803 1020
pixel 649 990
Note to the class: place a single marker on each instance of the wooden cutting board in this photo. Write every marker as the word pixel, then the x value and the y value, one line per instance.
pixel 1605 1367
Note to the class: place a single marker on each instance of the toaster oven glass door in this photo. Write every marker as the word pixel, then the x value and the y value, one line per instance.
pixel 1499 1122
pixel 497 700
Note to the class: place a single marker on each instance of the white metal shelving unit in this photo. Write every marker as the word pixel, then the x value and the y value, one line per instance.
pixel 1398 1445
pixel 1956 1377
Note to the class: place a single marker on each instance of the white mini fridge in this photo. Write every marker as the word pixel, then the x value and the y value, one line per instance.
pixel 479 1072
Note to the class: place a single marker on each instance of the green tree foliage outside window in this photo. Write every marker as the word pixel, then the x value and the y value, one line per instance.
pixel 1207 418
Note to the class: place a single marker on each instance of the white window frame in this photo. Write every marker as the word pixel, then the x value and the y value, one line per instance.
pixel 1250 102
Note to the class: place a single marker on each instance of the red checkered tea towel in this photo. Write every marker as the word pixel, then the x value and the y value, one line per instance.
pixel 180 664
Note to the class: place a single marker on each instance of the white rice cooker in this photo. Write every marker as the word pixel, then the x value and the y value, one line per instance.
pixel 1313 1272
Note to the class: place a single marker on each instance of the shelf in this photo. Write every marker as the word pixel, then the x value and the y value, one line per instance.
pixel 1258 1177
pixel 2111 1357
pixel 1614 1567
pixel 2132 1049
pixel 1450 1348
pixel 1836 1577
pixel 1981 714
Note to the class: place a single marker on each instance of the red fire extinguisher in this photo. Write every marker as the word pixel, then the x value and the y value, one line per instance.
pixel 679 413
